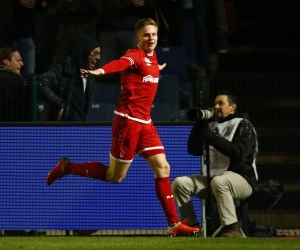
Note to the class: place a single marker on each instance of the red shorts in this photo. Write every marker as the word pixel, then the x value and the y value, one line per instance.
pixel 130 137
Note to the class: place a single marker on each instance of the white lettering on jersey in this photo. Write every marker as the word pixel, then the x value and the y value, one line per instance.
pixel 130 59
pixel 150 78
pixel 147 61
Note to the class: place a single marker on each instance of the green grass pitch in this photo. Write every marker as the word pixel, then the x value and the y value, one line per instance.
pixel 144 243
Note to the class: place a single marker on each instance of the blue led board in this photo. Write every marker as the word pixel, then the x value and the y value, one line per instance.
pixel 29 152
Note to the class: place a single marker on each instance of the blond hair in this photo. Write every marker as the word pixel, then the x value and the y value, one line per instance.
pixel 144 22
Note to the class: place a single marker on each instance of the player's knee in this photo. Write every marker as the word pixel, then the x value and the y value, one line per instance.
pixel 116 179
pixel 164 168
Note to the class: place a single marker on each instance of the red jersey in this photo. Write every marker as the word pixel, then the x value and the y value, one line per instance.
pixel 139 81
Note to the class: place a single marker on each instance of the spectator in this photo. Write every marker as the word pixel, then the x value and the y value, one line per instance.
pixel 44 34
pixel 115 26
pixel 171 24
pixel 73 18
pixel 219 25
pixel 15 99
pixel 6 10
pixel 198 16
pixel 208 18
pixel 232 153
pixel 133 129
pixel 66 91
pixel 23 31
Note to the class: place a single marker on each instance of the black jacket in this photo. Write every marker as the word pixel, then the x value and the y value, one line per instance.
pixel 22 21
pixel 120 15
pixel 241 150
pixel 62 85
pixel 15 97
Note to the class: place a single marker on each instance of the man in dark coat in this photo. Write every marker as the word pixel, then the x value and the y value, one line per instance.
pixel 66 91
pixel 233 148
pixel 15 92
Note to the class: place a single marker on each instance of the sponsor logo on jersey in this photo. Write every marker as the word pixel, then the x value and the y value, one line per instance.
pixel 150 78
pixel 147 61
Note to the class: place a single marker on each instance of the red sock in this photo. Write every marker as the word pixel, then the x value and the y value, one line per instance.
pixel 95 170
pixel 165 196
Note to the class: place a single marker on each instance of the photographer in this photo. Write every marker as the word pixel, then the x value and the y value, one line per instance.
pixel 232 152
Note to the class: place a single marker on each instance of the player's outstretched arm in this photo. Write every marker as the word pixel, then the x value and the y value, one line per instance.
pixel 96 72
pixel 160 67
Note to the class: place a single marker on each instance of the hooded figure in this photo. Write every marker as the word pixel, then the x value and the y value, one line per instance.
pixel 66 92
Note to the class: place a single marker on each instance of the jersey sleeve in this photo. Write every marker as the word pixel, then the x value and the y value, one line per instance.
pixel 116 65
pixel 131 58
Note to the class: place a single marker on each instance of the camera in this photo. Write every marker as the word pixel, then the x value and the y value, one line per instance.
pixel 196 114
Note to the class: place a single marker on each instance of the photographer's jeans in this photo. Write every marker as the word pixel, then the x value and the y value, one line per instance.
pixel 226 188
pixel 26 48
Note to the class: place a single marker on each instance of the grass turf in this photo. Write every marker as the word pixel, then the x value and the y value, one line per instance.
pixel 143 243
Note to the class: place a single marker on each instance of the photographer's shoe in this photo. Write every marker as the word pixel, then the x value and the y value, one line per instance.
pixel 181 229
pixel 232 231
pixel 58 171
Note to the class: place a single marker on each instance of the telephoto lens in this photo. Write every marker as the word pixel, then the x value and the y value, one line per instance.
pixel 195 114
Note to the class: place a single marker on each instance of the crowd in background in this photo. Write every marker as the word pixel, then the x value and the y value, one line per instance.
pixel 43 31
